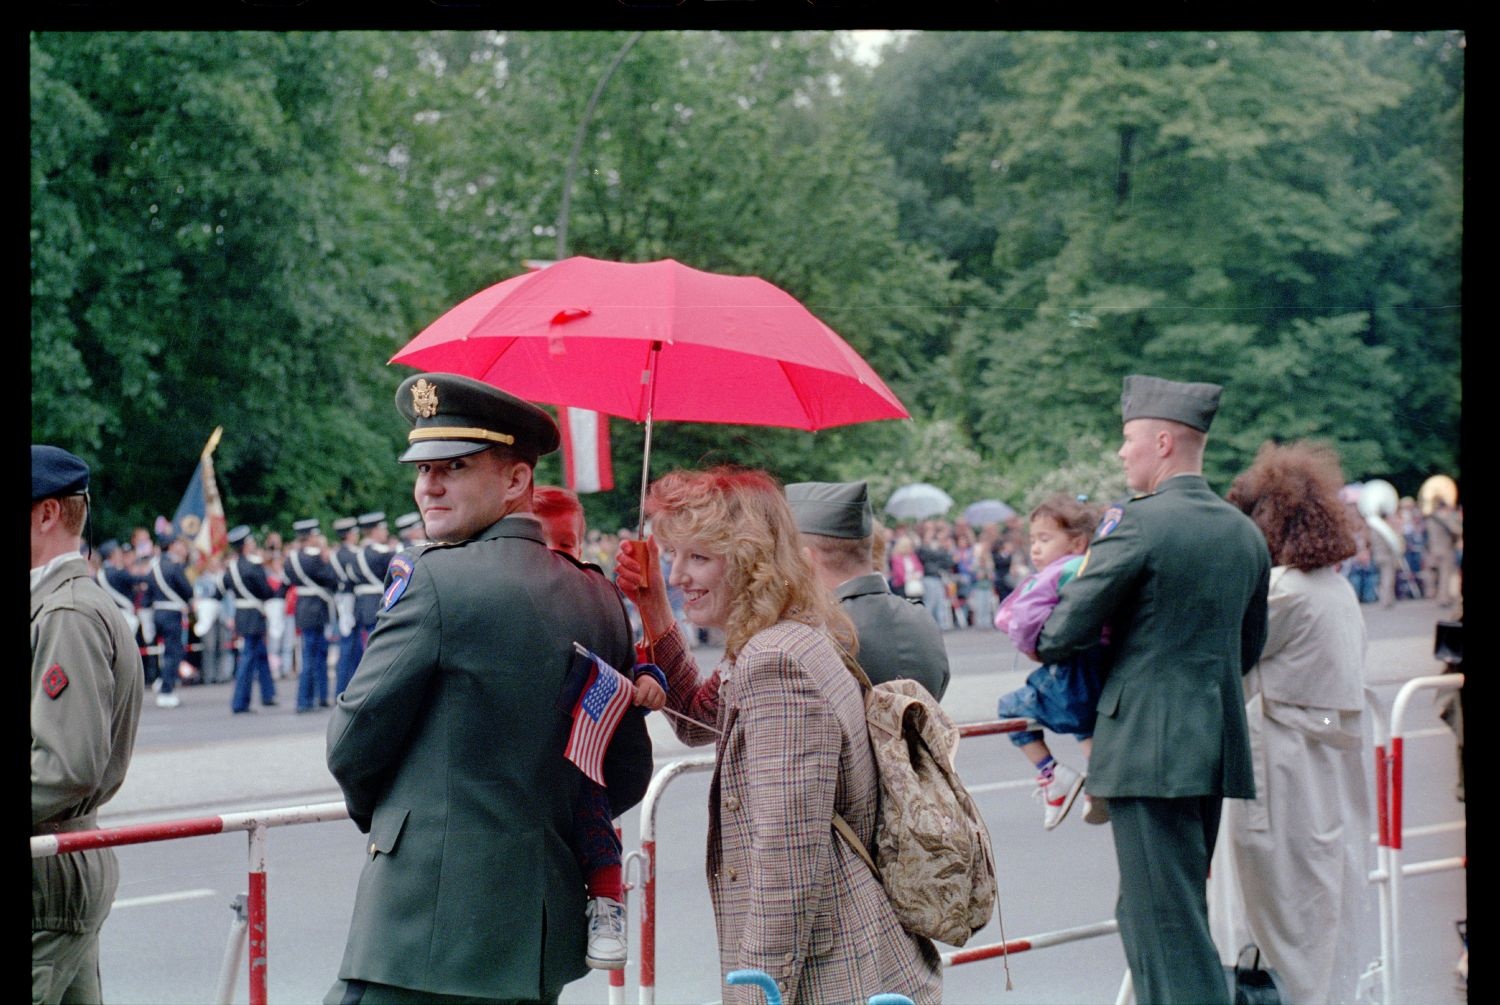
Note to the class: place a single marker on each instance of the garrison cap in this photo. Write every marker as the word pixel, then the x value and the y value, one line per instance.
pixel 1154 398
pixel 344 525
pixel 55 472
pixel 406 520
pixel 832 509
pixel 454 416
pixel 238 535
pixel 375 519
pixel 305 527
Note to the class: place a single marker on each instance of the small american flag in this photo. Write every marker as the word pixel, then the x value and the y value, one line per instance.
pixel 600 707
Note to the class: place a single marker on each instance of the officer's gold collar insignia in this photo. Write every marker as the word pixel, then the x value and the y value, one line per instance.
pixel 424 398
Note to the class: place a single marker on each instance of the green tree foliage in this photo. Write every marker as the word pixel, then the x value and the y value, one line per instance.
pixel 1213 207
pixel 241 228
pixel 205 254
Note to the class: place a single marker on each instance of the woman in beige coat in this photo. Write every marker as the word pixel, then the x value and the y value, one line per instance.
pixel 789 896
pixel 1291 870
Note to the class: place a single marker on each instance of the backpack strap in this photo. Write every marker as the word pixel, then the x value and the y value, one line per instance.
pixel 847 833
pixel 839 823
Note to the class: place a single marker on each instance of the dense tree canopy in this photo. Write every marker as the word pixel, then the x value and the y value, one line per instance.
pixel 240 229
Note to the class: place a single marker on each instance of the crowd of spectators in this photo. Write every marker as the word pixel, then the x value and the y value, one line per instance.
pixel 964 572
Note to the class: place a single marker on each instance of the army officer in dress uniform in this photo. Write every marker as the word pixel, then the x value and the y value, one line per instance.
pixel 896 637
pixel 1181 577
pixel 448 743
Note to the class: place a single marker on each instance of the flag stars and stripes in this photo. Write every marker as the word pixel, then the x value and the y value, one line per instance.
pixel 601 705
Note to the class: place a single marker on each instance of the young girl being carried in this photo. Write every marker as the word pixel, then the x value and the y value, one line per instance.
pixel 1059 697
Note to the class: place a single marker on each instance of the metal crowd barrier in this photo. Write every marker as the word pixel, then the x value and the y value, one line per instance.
pixel 1390 870
pixel 250 908
pixel 639 866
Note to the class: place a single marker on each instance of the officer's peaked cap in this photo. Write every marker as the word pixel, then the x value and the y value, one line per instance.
pixel 453 416
pixel 344 524
pixel 406 520
pixel 238 535
pixel 375 519
pixel 1154 398
pixel 305 526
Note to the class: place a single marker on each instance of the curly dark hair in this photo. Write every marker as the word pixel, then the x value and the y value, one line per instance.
pixel 1291 491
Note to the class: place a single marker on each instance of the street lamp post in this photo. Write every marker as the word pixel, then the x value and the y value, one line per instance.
pixel 583 125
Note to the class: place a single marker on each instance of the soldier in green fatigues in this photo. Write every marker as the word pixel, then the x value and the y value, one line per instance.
pixel 1180 576
pixel 448 742
pixel 86 688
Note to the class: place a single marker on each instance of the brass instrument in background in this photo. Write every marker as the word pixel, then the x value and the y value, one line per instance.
pixel 1435 488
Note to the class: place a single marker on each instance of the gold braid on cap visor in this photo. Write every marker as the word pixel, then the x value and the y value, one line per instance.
pixel 458 433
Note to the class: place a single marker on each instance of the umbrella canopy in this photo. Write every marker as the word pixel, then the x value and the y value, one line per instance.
pixel 637 340
pixel 987 511
pixel 918 501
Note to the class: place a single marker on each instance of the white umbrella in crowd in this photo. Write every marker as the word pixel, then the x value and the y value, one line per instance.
pixel 987 511
pixel 918 501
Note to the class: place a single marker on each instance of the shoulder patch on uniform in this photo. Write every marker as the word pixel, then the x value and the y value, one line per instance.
pixel 399 574
pixel 54 680
pixel 1110 520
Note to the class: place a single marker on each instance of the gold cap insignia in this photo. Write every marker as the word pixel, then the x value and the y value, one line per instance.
pixel 424 398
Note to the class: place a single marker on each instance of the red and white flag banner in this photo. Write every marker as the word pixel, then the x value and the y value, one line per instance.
pixel 585 448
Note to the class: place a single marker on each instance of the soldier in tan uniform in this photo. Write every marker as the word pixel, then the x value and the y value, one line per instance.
pixel 86 687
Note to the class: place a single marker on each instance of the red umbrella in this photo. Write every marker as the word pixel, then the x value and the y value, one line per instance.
pixel 656 340
pixel 732 348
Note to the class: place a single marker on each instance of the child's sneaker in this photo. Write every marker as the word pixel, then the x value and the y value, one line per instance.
pixel 607 946
pixel 1095 811
pixel 1058 791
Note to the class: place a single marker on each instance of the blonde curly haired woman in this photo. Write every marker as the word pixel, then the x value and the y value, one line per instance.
pixel 788 721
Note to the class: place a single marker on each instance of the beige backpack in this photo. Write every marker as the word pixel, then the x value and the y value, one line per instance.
pixel 931 844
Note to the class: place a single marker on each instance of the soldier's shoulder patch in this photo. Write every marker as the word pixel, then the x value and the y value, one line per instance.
pixel 1110 520
pixel 54 681
pixel 398 575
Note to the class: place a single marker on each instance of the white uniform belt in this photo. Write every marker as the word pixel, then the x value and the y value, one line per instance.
pixel 168 605
pixel 366 589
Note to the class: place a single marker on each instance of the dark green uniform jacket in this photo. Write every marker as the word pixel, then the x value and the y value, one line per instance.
pixel 1182 583
pixel 448 745
pixel 896 637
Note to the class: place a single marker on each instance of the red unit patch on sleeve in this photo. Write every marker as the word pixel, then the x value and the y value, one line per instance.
pixel 54 680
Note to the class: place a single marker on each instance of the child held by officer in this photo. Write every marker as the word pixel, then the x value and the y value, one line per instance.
pixel 1059 697
pixel 598 844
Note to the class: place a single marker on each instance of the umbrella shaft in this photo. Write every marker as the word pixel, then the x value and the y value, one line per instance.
pixel 649 376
